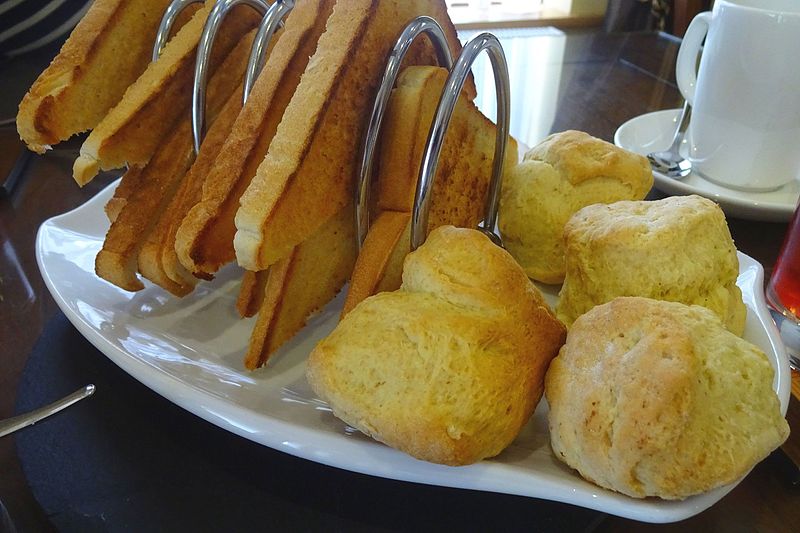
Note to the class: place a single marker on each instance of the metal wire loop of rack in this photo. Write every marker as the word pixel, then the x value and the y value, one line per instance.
pixel 213 23
pixel 416 27
pixel 266 29
pixel 444 112
pixel 167 21
pixel 272 16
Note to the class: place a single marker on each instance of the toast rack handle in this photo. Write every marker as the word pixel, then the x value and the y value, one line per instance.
pixel 416 27
pixel 213 23
pixel 266 29
pixel 167 21
pixel 444 112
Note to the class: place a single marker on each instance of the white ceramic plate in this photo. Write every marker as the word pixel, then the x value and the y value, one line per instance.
pixel 652 132
pixel 190 352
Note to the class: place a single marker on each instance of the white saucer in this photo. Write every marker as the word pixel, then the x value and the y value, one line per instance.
pixel 653 131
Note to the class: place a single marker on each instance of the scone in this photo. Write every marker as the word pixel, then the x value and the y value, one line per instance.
pixel 677 249
pixel 654 398
pixel 450 367
pixel 565 172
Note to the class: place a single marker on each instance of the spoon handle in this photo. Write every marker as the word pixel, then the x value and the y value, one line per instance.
pixel 11 425
pixel 683 123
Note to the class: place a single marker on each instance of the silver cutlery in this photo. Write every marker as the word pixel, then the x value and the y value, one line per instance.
pixel 670 162
pixel 10 425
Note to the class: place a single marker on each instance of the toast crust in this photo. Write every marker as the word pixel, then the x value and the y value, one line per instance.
pixel 131 180
pixel 251 293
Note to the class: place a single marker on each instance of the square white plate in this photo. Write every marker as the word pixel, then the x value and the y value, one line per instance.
pixel 190 351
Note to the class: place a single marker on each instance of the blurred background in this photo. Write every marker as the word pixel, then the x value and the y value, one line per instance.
pixel 670 16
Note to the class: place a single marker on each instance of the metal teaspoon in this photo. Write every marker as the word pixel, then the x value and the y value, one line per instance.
pixel 670 162
pixel 10 425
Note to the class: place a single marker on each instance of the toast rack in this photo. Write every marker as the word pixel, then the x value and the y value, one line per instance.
pixel 272 17
pixel 444 112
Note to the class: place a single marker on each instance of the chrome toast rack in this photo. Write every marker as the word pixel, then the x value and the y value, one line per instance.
pixel 272 19
pixel 444 111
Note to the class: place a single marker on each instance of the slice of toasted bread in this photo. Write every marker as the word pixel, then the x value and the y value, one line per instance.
pixel 205 238
pixel 302 283
pixel 465 162
pixel 117 261
pixel 108 49
pixel 157 259
pixel 308 173
pixel 131 180
pixel 134 128
pixel 379 266
pixel 462 176
pixel 251 292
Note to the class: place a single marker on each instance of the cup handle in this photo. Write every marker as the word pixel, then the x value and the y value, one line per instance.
pixel 686 64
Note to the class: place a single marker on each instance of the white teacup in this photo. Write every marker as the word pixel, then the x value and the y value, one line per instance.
pixel 745 126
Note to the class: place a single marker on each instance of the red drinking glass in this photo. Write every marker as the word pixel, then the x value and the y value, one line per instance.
pixel 783 290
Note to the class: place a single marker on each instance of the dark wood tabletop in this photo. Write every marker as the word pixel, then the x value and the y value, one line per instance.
pixel 111 464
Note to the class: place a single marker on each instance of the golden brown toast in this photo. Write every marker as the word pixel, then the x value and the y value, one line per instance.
pixel 308 173
pixel 251 292
pixel 131 180
pixel 134 128
pixel 157 259
pixel 379 266
pixel 465 162
pixel 117 261
pixel 108 49
pixel 461 183
pixel 205 239
pixel 302 283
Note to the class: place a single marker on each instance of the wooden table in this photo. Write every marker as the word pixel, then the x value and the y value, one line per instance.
pixel 142 462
